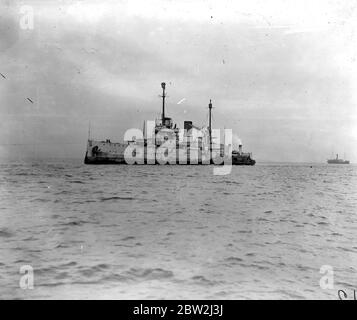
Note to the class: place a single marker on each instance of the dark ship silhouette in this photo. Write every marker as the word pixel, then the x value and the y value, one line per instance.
pixel 107 152
pixel 337 161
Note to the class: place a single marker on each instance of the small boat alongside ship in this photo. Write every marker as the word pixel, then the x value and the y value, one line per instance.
pixel 192 145
pixel 337 160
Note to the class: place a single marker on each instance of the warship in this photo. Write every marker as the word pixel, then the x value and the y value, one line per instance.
pixel 337 161
pixel 162 142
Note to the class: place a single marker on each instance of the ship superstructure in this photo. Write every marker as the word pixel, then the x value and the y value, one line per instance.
pixel 163 142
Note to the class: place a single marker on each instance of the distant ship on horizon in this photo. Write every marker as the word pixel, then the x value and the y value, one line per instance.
pixel 337 161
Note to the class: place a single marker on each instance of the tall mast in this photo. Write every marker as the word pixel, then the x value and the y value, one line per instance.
pixel 210 116
pixel 210 126
pixel 163 85
pixel 89 130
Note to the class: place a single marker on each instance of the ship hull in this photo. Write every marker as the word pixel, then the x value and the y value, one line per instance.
pixel 103 160
pixel 98 160
pixel 243 162
pixel 337 162
pixel 107 152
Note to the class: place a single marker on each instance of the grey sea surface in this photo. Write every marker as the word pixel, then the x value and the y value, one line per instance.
pixel 177 232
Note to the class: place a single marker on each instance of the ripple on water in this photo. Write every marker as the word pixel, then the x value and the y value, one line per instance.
pixel 116 198
pixel 5 233
pixel 203 281
pixel 128 238
pixel 149 274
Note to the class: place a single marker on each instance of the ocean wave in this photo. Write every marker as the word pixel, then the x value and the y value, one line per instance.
pixel 30 174
pixel 229 182
pixel 149 273
pixel 41 200
pixel 233 260
pixel 128 238
pixel 202 280
pixel 83 202
pixel 75 223
pixel 116 198
pixel 94 270
pixel 4 233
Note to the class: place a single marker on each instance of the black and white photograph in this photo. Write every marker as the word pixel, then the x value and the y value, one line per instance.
pixel 178 150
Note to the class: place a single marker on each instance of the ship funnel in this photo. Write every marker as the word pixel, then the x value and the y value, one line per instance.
pixel 240 148
pixel 187 125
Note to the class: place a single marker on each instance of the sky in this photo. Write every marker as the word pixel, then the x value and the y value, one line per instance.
pixel 281 74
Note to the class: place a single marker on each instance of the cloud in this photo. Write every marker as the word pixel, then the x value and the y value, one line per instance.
pixel 281 79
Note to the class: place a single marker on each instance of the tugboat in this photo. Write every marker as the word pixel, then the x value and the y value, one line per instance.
pixel 337 161
pixel 241 158
pixel 193 145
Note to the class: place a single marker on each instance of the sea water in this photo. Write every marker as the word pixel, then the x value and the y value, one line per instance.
pixel 177 232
